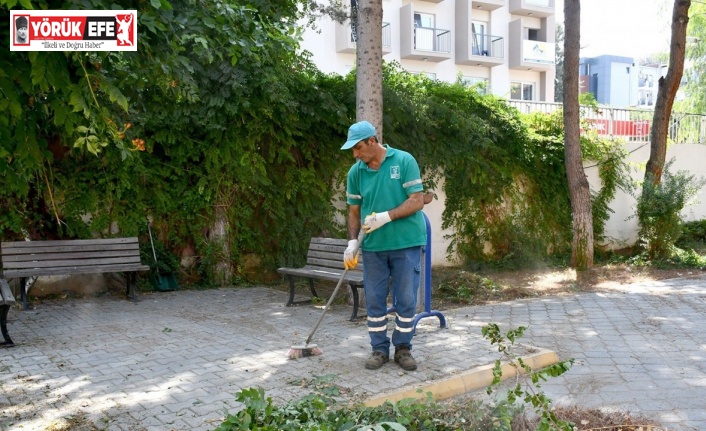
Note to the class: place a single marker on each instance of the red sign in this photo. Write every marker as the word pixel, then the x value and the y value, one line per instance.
pixel 621 127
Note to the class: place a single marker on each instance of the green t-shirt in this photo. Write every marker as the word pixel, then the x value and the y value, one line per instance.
pixel 386 189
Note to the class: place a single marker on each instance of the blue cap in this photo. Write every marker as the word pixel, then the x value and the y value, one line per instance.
pixel 357 132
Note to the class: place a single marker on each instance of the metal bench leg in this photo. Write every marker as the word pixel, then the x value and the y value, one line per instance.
pixel 23 293
pixel 292 288
pixel 354 293
pixel 291 291
pixel 130 286
pixel 311 287
pixel 3 326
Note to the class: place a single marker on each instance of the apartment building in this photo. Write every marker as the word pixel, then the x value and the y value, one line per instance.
pixel 619 81
pixel 507 45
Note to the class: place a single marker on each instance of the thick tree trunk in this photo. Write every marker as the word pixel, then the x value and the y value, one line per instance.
pixel 369 63
pixel 582 245
pixel 667 90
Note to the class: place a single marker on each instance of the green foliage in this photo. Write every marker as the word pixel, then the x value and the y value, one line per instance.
pixel 559 63
pixel 319 410
pixel 212 100
pixel 217 120
pixel 694 89
pixel 321 413
pixel 693 234
pixel 686 258
pixel 165 261
pixel 528 390
pixel 659 207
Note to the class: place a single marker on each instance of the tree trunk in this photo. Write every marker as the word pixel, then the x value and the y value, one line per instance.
pixel 222 271
pixel 579 192
pixel 369 63
pixel 666 91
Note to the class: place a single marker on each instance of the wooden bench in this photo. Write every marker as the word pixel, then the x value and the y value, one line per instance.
pixel 7 299
pixel 24 259
pixel 324 261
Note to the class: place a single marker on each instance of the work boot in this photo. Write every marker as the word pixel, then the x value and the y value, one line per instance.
pixel 404 357
pixel 376 360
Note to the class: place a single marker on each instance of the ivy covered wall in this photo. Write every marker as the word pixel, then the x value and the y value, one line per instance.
pixel 216 123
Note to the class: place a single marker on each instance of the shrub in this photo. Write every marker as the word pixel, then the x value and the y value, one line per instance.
pixel 659 207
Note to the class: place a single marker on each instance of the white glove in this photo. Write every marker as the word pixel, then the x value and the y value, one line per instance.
pixel 376 221
pixel 350 256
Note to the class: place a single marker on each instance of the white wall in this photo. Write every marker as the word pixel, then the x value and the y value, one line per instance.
pixel 621 227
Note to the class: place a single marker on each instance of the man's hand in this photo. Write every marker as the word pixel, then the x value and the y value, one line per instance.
pixel 375 221
pixel 350 256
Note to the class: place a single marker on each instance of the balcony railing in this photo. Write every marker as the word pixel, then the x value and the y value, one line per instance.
pixel 386 36
pixel 633 125
pixel 432 39
pixel 487 45
pixel 346 38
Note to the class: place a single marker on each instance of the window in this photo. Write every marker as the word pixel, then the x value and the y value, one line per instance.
pixel 532 34
pixel 424 31
pixel 480 84
pixel 521 91
pixel 425 20
pixel 479 36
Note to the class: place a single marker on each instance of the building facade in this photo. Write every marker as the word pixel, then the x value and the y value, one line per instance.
pixel 506 45
pixel 619 81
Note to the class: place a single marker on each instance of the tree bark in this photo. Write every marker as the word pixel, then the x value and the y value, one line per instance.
pixel 369 63
pixel 579 192
pixel 223 273
pixel 666 92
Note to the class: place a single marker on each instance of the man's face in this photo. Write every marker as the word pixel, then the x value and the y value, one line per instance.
pixel 22 33
pixel 364 150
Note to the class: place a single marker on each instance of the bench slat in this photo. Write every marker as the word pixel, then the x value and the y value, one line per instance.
pixel 67 249
pixel 73 262
pixel 38 257
pixel 70 270
pixel 326 240
pixel 333 264
pixel 328 247
pixel 71 242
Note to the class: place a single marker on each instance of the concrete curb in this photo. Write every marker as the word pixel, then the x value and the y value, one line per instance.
pixel 468 381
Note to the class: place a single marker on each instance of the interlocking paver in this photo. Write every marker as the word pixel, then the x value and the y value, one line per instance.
pixel 638 348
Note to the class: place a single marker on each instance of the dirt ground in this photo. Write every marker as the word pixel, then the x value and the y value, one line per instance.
pixel 515 284
pixel 455 287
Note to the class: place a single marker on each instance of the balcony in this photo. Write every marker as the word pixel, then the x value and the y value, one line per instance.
pixel 526 54
pixel 533 55
pixel 482 50
pixel 422 43
pixel 345 39
pixel 488 5
pixel 533 8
